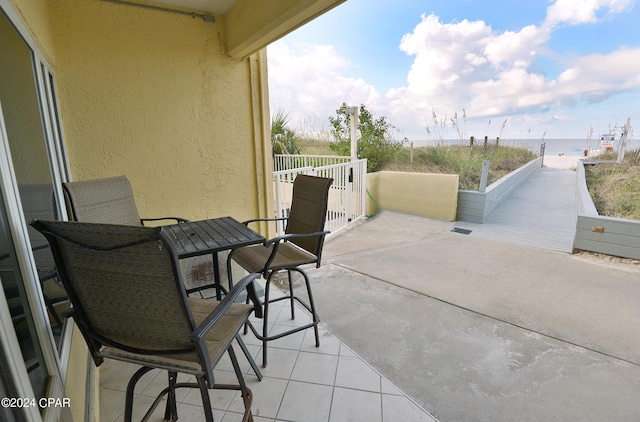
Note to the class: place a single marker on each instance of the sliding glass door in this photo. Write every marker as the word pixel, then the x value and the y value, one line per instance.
pixel 32 165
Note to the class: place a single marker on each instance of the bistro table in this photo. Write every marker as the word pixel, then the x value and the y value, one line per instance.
pixel 195 238
pixel 217 234
pixel 211 236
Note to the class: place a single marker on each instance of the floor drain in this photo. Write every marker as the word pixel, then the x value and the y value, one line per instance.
pixel 462 231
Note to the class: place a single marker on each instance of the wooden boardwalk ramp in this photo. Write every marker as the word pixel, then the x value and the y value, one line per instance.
pixel 541 213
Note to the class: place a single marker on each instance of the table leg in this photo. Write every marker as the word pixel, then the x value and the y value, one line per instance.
pixel 216 275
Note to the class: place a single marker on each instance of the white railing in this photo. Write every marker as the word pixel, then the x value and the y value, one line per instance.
pixel 346 196
pixel 289 162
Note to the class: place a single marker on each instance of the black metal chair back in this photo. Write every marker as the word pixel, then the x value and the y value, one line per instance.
pixel 301 244
pixel 130 304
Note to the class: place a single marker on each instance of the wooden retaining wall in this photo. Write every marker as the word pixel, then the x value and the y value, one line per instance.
pixel 596 233
pixel 475 207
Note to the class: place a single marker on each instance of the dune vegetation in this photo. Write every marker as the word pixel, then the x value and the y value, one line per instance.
pixel 615 188
pixel 448 159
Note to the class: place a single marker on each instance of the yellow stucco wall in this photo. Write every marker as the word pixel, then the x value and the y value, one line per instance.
pixel 424 194
pixel 35 15
pixel 153 96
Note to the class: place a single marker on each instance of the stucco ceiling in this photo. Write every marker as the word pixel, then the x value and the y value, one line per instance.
pixel 218 7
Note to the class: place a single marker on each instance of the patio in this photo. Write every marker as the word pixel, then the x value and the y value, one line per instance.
pixel 475 329
pixel 468 328
pixel 301 383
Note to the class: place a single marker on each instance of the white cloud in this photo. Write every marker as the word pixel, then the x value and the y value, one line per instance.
pixel 470 66
pixel 459 66
pixel 308 83
pixel 576 12
pixel 465 65
pixel 587 79
pixel 515 49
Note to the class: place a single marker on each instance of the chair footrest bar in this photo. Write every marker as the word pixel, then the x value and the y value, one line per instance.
pixel 280 335
pixel 300 301
pixel 247 398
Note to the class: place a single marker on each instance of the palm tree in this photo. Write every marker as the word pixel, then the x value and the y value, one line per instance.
pixel 283 139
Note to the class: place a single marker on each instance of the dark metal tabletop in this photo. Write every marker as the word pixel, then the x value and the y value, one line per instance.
pixel 210 236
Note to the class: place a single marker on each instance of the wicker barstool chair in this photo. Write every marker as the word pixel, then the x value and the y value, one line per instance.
pixel 300 245
pixel 130 304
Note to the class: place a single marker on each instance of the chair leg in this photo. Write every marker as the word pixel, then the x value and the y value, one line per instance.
pixel 229 269
pixel 265 320
pixel 171 411
pixel 246 352
pixel 128 406
pixel 291 295
pixel 314 314
pixel 311 307
pixel 206 401
pixel 52 310
pixel 246 393
pixel 264 337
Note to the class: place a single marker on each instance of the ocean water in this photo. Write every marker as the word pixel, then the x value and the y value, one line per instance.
pixel 570 147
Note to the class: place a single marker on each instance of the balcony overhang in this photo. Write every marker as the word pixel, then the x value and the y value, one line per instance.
pixel 252 24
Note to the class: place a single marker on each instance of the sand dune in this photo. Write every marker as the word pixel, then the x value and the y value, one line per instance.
pixel 561 162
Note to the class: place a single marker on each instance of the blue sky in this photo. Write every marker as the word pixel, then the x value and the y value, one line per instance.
pixel 518 70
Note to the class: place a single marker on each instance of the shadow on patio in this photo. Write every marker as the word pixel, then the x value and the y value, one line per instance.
pixel 301 383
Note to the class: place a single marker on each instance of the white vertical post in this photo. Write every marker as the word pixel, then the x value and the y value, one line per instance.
pixel 353 112
pixel 623 141
pixel 484 176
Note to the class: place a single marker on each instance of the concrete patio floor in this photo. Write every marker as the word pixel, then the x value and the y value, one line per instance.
pixel 302 383
pixel 481 330
pixel 416 317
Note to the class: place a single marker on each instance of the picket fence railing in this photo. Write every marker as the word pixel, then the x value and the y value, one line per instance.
pixel 347 194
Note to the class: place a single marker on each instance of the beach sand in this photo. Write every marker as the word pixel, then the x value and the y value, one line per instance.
pixel 561 162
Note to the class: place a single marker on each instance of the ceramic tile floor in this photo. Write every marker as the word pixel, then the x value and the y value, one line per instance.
pixel 301 383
